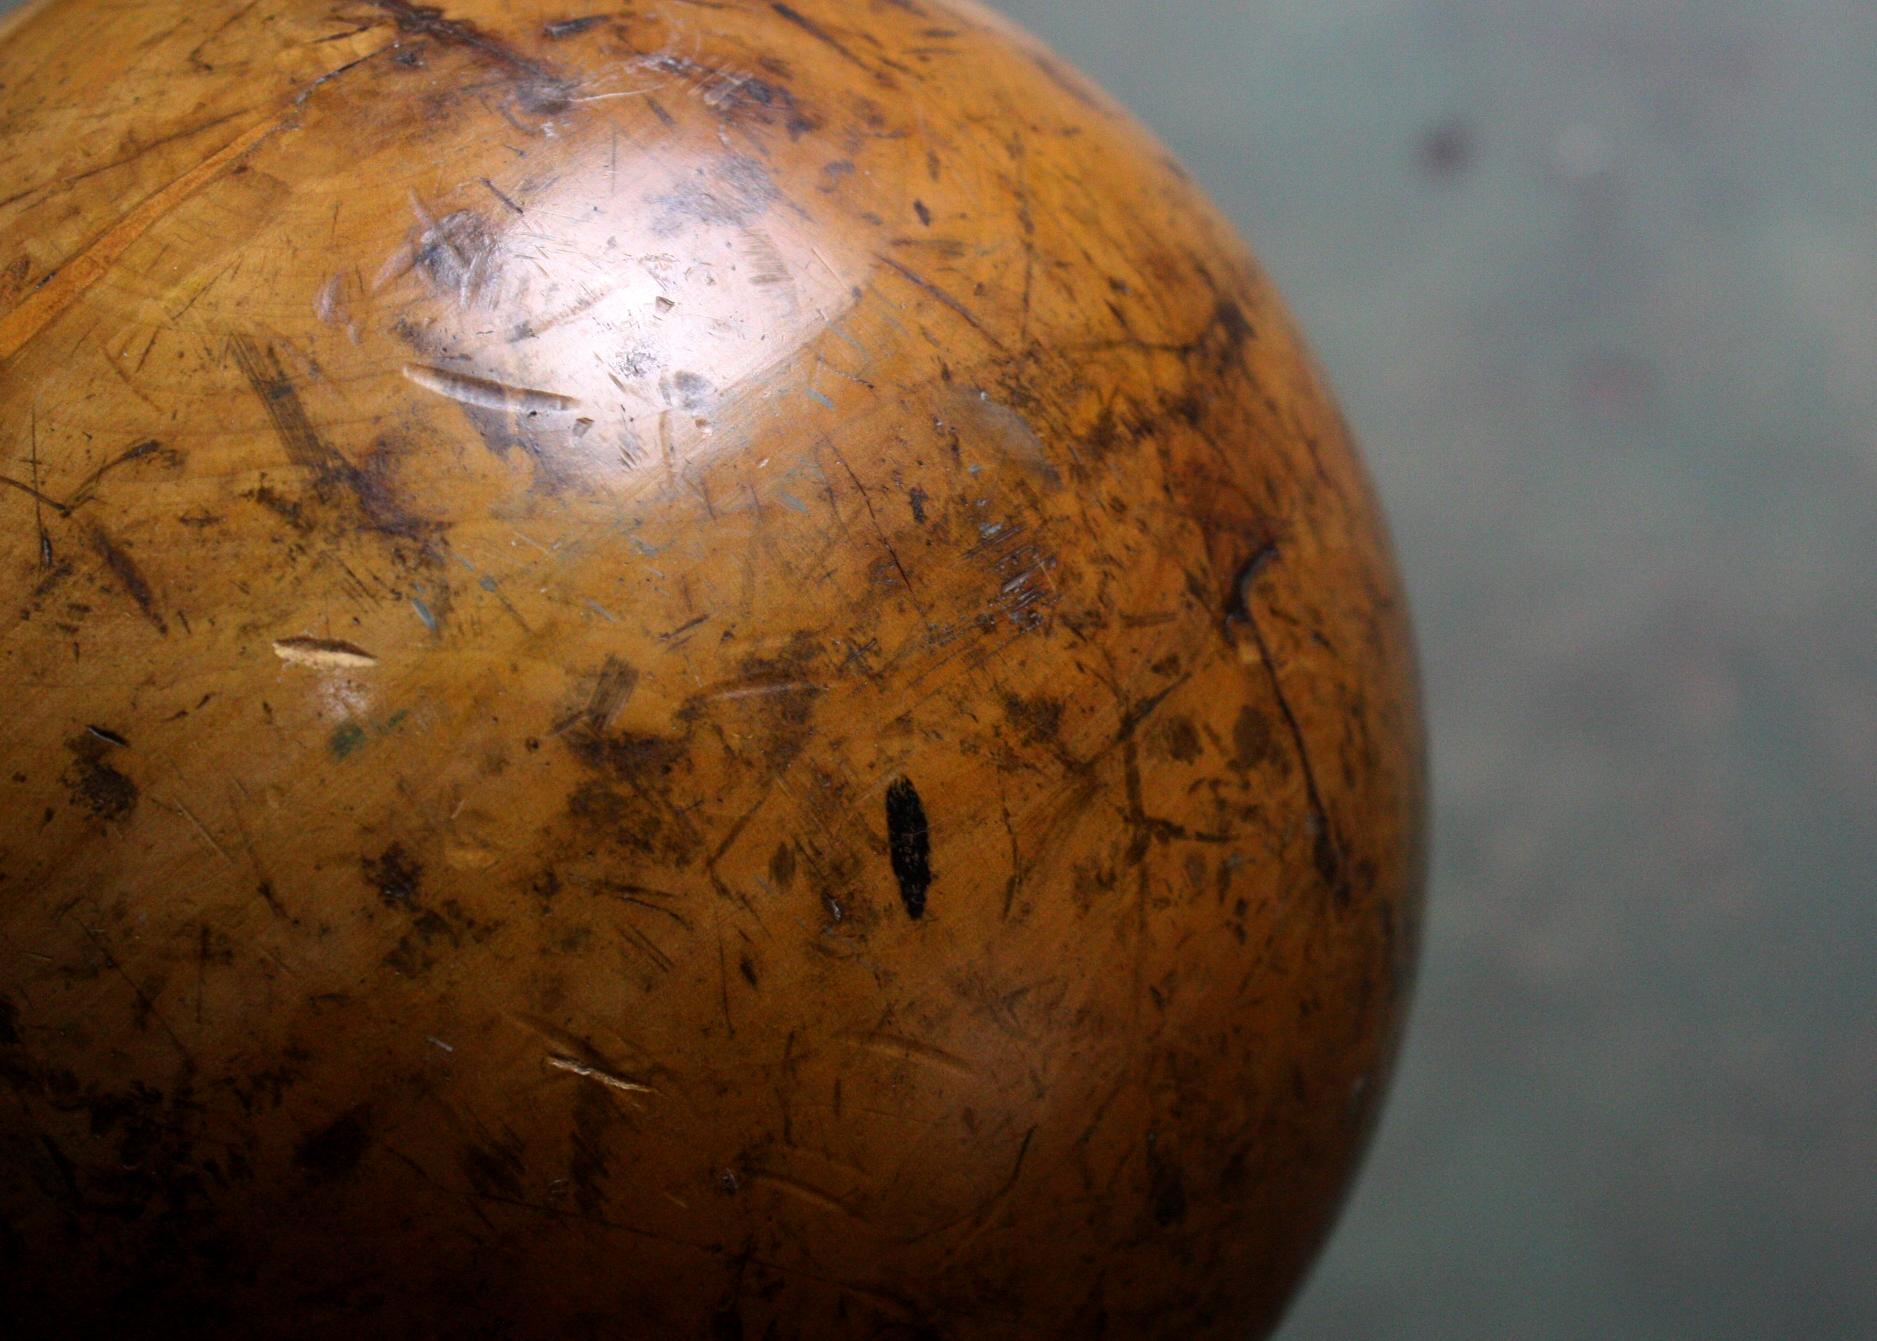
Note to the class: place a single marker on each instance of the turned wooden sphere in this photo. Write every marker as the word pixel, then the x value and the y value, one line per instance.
pixel 675 670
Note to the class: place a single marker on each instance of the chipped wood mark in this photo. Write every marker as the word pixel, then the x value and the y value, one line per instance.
pixel 904 1049
pixel 487 394
pixel 819 1198
pixel 323 654
pixel 598 1075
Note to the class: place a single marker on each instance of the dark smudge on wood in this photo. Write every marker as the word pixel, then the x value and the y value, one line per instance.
pixel 909 845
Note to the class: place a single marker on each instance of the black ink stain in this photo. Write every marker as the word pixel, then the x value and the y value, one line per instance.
pixel 782 866
pixel 909 844
pixel 1166 1194
pixel 94 783
pixel 495 1169
pixel 1253 741
pixel 734 193
pixel 1182 740
pixel 694 392
pixel 336 1148
pixel 1038 720
pixel 395 876
pixel 1169 1198
pixel 726 1322
pixel 412 955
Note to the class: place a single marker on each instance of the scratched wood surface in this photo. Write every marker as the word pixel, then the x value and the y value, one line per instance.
pixel 705 669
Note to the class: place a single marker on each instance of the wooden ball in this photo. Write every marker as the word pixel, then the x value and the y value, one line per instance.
pixel 674 670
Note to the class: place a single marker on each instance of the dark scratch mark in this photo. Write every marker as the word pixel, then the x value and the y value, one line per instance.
pixel 573 27
pixel 40 500
pixel 370 491
pixel 128 575
pixel 137 153
pixel 1068 83
pixel 641 896
pixel 909 845
pixel 878 530
pixel 68 1175
pixel 977 1218
pixel 89 486
pixel 613 687
pixel 545 1211
pixel 1167 1189
pixel 919 281
pixel 1326 850
pixel 717 881
pixel 196 297
pixel 39 515
pixel 143 997
pixel 1146 827
pixel 1015 882
pixel 723 973
pixel 195 53
pixel 647 947
pixel 306 93
pixel 340 37
pixel 1026 220
pixel 819 33
pixel 1146 708
pixel 1238 600
pixel 496 191
pixel 85 492
pixel 538 88
pixel 284 410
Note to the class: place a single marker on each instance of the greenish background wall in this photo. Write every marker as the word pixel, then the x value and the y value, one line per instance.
pixel 1597 280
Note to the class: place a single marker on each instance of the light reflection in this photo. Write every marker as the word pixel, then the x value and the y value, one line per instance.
pixel 618 313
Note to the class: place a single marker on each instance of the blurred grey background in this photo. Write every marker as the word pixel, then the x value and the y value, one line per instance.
pixel 1597 282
